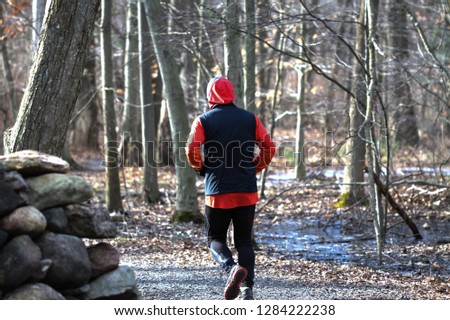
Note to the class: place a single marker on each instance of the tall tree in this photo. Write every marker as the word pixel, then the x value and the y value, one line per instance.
pixel 250 56
pixel 405 120
pixel 112 159
pixel 85 128
pixel 300 170
pixel 186 190
pixel 446 9
pixel 50 95
pixel 130 129
pixel 38 9
pixel 355 147
pixel 205 61
pixel 264 74
pixel 278 90
pixel 371 15
pixel 6 109
pixel 232 50
pixel 150 192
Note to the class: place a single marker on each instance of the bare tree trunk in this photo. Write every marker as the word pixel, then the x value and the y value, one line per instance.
pixel 232 51
pixel 85 128
pixel 165 154
pixel 202 72
pixel 129 150
pixel 263 74
pixel 186 190
pixel 371 143
pixel 50 96
pixel 266 75
pixel 38 9
pixel 6 109
pixel 278 87
pixel 446 9
pixel 300 170
pixel 354 170
pixel 405 120
pixel 7 73
pixel 112 159
pixel 250 57
pixel 150 190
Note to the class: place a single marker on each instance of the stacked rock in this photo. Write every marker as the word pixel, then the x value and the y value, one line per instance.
pixel 45 214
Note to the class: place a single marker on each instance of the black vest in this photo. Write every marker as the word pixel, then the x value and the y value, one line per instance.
pixel 229 150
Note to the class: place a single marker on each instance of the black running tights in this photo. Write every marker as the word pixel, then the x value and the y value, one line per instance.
pixel 217 224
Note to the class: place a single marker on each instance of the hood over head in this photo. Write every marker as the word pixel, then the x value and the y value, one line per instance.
pixel 220 91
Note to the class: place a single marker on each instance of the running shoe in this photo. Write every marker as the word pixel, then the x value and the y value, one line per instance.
pixel 232 287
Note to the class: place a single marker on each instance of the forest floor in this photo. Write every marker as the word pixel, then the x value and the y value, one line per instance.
pixel 308 249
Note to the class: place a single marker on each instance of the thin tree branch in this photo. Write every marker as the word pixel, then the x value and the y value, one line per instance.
pixel 318 70
pixel 424 40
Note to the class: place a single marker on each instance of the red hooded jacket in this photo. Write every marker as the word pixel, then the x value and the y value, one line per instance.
pixel 224 120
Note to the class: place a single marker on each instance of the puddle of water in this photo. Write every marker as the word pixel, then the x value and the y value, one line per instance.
pixel 338 173
pixel 289 176
pixel 425 170
pixel 307 239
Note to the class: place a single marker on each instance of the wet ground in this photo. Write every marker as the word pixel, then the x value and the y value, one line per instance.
pixel 318 240
pixel 308 248
pixel 348 238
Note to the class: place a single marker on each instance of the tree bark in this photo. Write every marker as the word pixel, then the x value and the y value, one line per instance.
pixel 278 87
pixel 232 51
pixel 300 170
pixel 186 190
pixel 371 7
pixel 355 150
pixel 150 190
pixel 52 89
pixel 206 61
pixel 129 150
pixel 85 129
pixel 6 66
pixel 112 159
pixel 250 57
pixel 6 109
pixel 405 119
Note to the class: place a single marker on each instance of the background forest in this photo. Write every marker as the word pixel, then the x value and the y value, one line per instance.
pixel 354 92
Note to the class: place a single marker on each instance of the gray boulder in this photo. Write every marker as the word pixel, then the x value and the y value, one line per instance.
pixel 104 258
pixel 3 237
pixel 56 219
pixel 34 291
pixel 24 220
pixel 70 267
pixel 19 259
pixel 88 221
pixel 30 163
pixel 75 292
pixel 56 190
pixel 15 180
pixel 117 284
pixel 9 199
pixel 41 271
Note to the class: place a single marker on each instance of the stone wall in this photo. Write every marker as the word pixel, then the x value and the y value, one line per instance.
pixel 45 213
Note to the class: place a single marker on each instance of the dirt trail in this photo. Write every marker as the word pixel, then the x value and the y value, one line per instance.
pixel 172 261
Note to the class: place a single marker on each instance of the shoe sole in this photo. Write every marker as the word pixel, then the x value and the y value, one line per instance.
pixel 232 290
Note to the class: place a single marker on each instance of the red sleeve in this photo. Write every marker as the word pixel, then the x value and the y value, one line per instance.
pixel 266 146
pixel 194 145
